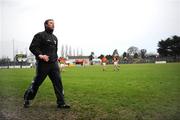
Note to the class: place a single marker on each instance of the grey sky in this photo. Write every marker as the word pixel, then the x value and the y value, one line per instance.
pixel 93 25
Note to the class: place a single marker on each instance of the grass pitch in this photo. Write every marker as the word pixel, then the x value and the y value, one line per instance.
pixel 136 92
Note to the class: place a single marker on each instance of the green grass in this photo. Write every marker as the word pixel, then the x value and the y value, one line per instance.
pixel 136 92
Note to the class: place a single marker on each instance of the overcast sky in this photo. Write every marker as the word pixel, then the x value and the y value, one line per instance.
pixel 91 25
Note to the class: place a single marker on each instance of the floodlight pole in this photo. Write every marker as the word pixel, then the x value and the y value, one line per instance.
pixel 13 54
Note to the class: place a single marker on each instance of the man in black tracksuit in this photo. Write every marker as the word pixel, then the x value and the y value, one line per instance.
pixel 44 47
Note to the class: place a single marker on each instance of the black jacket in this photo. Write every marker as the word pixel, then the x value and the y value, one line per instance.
pixel 44 43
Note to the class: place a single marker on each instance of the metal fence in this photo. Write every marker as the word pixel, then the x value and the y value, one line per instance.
pixel 15 64
pixel 150 60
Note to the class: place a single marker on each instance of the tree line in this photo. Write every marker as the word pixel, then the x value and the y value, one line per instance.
pixel 168 48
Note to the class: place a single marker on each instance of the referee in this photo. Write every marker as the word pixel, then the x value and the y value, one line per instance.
pixel 44 47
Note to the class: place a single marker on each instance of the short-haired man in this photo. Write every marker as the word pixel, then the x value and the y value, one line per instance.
pixel 44 47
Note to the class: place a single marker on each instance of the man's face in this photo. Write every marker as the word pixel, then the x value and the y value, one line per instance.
pixel 50 25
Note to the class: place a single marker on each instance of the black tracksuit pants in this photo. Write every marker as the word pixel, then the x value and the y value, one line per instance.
pixel 42 70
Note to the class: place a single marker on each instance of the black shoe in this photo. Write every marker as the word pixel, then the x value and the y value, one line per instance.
pixel 65 106
pixel 26 103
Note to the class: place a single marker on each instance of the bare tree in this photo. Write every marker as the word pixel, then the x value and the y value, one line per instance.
pixel 70 51
pixel 62 51
pixel 66 53
pixel 77 51
pixel 132 50
pixel 143 53
pixel 81 52
pixel 74 52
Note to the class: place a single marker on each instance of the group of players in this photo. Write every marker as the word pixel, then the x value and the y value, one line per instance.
pixel 104 61
pixel 116 59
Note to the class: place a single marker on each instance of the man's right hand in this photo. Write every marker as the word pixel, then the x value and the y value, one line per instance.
pixel 44 57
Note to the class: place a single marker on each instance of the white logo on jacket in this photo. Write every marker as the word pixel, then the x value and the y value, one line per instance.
pixel 50 41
